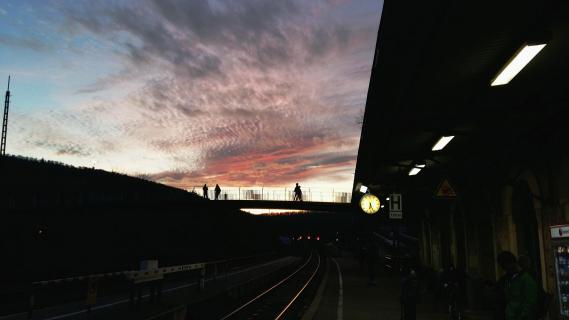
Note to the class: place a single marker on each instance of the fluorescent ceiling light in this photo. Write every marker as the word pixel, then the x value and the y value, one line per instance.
pixel 416 169
pixel 363 189
pixel 443 141
pixel 517 63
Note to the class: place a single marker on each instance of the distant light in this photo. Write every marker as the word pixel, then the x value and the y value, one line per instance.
pixel 40 231
pixel 337 240
pixel 363 189
pixel 308 237
pixel 382 206
pixel 260 211
pixel 521 58
pixel 443 141
pixel 300 238
pixel 416 169
pixel 387 199
pixel 318 238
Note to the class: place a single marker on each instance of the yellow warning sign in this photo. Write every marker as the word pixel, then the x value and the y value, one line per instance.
pixel 445 190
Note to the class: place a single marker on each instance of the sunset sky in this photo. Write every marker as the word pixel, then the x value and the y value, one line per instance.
pixel 240 93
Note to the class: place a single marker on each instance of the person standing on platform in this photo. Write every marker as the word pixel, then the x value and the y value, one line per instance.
pixel 544 298
pixel 520 289
pixel 205 191
pixel 372 261
pixel 409 293
pixel 217 191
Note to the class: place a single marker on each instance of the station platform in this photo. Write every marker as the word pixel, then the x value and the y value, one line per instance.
pixel 345 293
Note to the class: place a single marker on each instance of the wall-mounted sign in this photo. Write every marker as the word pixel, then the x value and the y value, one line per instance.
pixel 395 206
pixel 445 190
pixel 558 232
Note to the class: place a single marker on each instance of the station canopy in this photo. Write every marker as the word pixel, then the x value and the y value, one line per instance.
pixel 432 74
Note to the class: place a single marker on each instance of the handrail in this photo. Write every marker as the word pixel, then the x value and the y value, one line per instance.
pixel 309 194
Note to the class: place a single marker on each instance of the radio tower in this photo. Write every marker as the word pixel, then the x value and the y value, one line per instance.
pixel 5 121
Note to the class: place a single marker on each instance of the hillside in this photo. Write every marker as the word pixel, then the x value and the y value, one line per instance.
pixel 59 220
pixel 30 183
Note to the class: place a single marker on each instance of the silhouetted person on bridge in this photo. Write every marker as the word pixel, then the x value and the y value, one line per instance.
pixel 297 193
pixel 217 191
pixel 205 191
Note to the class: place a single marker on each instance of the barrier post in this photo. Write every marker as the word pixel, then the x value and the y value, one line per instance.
pixel 202 278
pixel 32 301
pixel 92 288
pixel 131 294
pixel 226 268
pixel 159 290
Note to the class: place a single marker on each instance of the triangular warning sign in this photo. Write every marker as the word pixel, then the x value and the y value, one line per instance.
pixel 445 190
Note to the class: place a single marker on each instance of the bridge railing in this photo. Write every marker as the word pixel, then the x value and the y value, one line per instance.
pixel 276 194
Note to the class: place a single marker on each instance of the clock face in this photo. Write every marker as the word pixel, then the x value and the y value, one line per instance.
pixel 370 204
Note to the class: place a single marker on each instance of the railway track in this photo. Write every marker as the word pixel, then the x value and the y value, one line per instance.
pixel 281 300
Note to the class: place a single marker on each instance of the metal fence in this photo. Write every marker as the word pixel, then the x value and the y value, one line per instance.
pixel 132 281
pixel 275 194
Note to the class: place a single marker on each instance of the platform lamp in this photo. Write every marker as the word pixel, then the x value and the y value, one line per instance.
pixel 530 48
pixel 416 168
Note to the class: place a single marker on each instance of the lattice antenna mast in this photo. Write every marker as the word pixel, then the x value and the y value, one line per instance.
pixel 5 120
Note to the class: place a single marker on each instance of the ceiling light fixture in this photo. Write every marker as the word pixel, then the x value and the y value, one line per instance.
pixel 416 169
pixel 520 59
pixel 443 141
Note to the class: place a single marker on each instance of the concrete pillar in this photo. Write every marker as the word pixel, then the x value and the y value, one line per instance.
pixel 453 253
pixel 508 238
pixel 563 186
pixel 425 245
pixel 436 258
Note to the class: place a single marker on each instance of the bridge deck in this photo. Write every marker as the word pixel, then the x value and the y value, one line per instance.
pixel 292 205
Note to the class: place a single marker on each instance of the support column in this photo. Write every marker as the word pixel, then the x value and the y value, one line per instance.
pixel 506 229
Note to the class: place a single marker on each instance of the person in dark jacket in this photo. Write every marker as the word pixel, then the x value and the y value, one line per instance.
pixel 520 290
pixel 499 292
pixel 409 293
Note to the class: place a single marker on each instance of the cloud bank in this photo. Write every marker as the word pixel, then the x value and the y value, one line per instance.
pixel 257 92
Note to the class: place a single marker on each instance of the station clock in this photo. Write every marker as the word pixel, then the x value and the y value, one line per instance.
pixel 369 203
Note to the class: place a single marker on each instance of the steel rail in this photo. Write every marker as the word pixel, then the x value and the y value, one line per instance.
pixel 299 291
pixel 232 313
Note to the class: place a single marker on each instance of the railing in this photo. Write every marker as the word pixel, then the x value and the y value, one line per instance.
pixel 131 280
pixel 276 194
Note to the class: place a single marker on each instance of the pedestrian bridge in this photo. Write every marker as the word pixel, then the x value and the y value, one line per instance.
pixel 309 194
pixel 313 199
